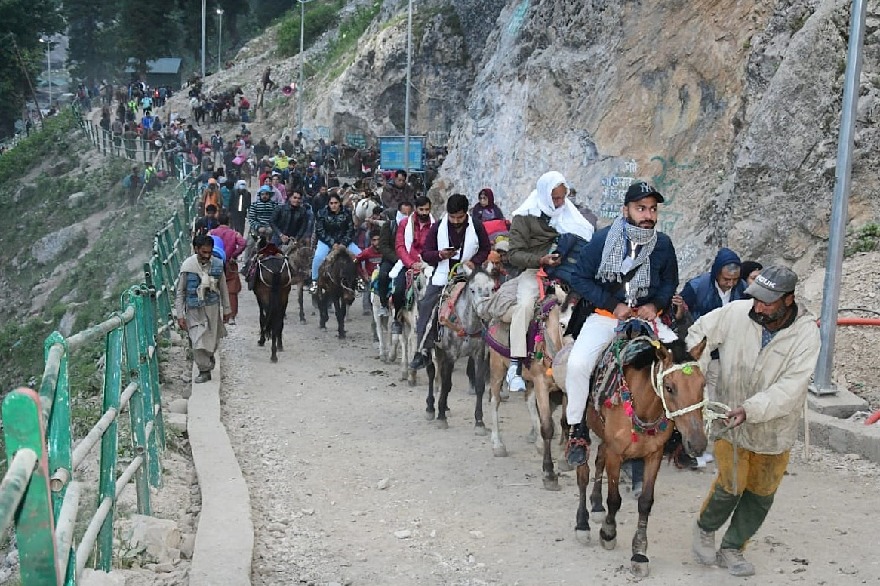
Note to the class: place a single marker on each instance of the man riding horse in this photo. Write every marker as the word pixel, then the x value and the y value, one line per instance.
pixel 290 222
pixel 628 269
pixel 536 227
pixel 409 242
pixel 455 239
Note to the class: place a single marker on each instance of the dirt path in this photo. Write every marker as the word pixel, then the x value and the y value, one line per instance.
pixel 318 434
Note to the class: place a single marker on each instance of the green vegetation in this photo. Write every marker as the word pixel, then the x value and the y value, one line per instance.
pixel 319 18
pixel 34 148
pixel 341 50
pixel 864 239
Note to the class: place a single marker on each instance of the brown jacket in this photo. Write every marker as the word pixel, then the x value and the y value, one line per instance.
pixel 531 238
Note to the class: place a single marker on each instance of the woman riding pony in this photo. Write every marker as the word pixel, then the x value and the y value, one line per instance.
pixel 334 228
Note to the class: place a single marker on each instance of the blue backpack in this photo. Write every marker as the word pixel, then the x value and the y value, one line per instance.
pixel 568 248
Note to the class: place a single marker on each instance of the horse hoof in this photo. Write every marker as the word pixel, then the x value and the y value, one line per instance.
pixel 261 344
pixel 583 537
pixel 442 424
pixel 499 452
pixel 504 395
pixel 429 414
pixel 640 567
pixel 341 335
pixel 608 544
pixel 303 321
pixel 597 516
pixel 274 359
pixel 563 466
pixel 551 484
pixel 480 430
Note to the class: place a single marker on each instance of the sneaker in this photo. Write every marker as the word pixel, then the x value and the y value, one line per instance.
pixel 703 460
pixel 396 327
pixel 313 287
pixel 203 377
pixel 420 360
pixel 515 382
pixel 383 311
pixel 736 564
pixel 703 545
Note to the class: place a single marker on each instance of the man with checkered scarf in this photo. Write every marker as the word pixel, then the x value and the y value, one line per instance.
pixel 628 269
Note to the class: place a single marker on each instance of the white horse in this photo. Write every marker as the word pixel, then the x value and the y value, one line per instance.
pixel 405 342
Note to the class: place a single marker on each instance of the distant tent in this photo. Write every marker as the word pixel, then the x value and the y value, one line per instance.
pixel 160 72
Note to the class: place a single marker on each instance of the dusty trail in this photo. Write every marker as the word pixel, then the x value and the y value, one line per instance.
pixel 320 432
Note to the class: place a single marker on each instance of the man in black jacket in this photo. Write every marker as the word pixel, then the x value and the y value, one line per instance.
pixel 290 221
pixel 628 269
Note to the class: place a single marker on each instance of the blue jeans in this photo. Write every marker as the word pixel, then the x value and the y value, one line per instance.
pixel 321 252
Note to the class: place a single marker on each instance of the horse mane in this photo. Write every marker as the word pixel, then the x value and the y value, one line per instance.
pixel 647 355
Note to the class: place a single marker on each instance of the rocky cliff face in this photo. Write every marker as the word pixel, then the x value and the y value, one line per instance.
pixel 730 107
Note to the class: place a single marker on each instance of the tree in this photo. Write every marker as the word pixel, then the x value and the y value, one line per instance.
pixel 21 24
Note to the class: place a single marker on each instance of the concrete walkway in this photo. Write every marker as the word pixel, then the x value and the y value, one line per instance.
pixel 225 538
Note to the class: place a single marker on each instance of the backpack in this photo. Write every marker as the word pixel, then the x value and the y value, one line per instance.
pixel 568 248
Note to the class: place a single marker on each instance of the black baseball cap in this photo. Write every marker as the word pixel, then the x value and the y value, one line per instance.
pixel 640 190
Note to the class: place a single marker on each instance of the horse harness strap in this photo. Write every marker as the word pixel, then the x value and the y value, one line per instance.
pixel 446 315
pixel 285 266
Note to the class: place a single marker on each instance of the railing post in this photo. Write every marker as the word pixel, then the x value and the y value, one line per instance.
pixel 136 407
pixel 58 437
pixel 109 446
pixel 149 295
pixel 34 521
pixel 162 304
pixel 146 343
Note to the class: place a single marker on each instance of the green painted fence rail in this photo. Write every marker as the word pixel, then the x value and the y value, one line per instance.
pixel 40 492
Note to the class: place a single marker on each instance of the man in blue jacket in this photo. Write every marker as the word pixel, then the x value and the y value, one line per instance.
pixel 715 288
pixel 628 269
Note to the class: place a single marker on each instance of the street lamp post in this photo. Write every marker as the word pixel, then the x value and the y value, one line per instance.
pixel 203 39
pixel 302 64
pixel 408 75
pixel 47 40
pixel 219 36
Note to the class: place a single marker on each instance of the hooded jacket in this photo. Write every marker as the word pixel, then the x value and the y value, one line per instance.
pixel 770 383
pixel 700 293
pixel 335 228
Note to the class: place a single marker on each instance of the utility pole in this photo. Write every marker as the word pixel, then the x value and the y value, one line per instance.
pixel 219 36
pixel 203 38
pixel 831 290
pixel 408 76
pixel 302 65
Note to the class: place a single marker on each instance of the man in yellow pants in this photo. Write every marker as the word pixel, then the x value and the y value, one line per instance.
pixel 767 350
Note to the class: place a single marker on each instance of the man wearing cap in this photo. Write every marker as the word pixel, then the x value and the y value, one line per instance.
pixel 260 220
pixel 628 269
pixel 312 183
pixel 768 348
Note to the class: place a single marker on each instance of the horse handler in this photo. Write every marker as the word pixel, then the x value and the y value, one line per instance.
pixel 767 352
pixel 202 304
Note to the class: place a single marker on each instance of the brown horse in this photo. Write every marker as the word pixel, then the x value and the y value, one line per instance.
pixel 660 388
pixel 337 284
pixel 299 256
pixel 272 283
pixel 539 380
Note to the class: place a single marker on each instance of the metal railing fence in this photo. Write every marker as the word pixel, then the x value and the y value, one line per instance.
pixel 40 493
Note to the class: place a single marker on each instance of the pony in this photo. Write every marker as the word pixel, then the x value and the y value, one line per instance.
pixel 337 284
pixel 299 256
pixel 408 316
pixel 539 380
pixel 272 283
pixel 461 336
pixel 656 387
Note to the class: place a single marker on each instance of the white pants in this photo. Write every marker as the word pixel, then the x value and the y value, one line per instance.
pixel 597 333
pixel 526 294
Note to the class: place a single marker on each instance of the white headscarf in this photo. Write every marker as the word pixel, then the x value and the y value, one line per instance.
pixel 565 219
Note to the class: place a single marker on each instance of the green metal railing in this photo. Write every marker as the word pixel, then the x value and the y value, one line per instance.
pixel 40 492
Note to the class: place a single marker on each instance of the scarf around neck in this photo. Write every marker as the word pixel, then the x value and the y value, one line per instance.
pixel 616 265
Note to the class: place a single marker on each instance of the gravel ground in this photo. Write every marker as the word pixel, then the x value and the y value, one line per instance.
pixel 350 485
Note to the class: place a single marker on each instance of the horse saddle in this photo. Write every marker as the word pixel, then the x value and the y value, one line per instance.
pixel 632 338
pixel 498 334
pixel 374 284
pixel 446 315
